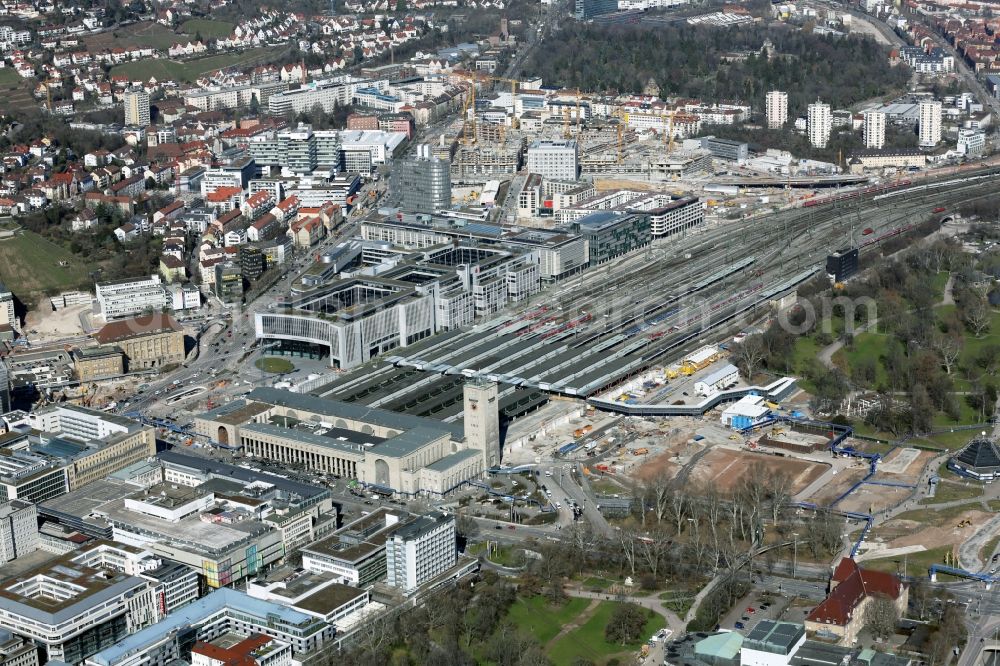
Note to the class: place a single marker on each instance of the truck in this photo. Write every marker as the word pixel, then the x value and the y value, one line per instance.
pixel 640 451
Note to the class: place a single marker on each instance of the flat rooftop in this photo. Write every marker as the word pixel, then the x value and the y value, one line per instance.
pixel 84 588
pixel 190 533
pixel 329 598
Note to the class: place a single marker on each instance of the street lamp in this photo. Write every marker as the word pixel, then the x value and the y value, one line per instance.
pixel 795 551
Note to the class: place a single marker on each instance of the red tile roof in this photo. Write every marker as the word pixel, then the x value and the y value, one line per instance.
pixel 851 585
pixel 237 655
pixel 136 326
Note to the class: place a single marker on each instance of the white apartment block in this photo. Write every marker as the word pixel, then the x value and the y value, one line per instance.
pixel 971 142
pixel 554 159
pixel 820 121
pixel 130 296
pixel 776 104
pixel 18 530
pixel 874 129
pixel 930 124
pixel 7 316
pixel 80 422
pixel 420 551
pixel 136 108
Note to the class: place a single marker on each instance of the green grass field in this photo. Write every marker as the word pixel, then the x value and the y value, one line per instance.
pixel 188 70
pixel 949 491
pixel 917 564
pixel 30 265
pixel 207 27
pixel 8 77
pixel 588 641
pixel 274 365
pixel 543 621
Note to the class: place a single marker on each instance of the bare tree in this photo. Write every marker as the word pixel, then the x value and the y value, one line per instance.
pixel 678 508
pixel 881 616
pixel 749 355
pixel 949 347
pixel 976 315
pixel 780 487
pixel 628 540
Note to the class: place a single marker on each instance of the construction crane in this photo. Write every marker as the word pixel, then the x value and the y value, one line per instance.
pixel 469 116
pixel 469 121
pixel 578 114
pixel 622 117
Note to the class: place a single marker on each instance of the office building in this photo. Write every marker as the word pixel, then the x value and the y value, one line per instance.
pixel 136 108
pixel 611 234
pixel 222 612
pixel 298 150
pixel 819 123
pixel 91 364
pixel 423 183
pixel 91 444
pixel 588 9
pixel 229 282
pixel 842 264
pixel 130 296
pixel 18 529
pixel 554 159
pixel 929 128
pixel 30 476
pixel 355 554
pixel 148 341
pixel 72 610
pixel 776 107
pixel 17 650
pixel 331 93
pixel 971 142
pixel 420 551
pixel 726 149
pixel 874 130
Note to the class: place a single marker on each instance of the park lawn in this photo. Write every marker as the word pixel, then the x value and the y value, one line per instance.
pixel 967 415
pixel 596 583
pixel 862 428
pixel 951 440
pixel 274 365
pixel 8 77
pixel 588 640
pixel 188 70
pixel 917 564
pixel 29 264
pixel 542 620
pixel 949 491
pixel 208 28
pixel 803 356
pixel 937 285
pixel 867 345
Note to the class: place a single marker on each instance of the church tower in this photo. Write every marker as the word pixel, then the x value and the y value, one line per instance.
pixel 482 420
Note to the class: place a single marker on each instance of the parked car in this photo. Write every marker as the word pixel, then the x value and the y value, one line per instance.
pixel 740 625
